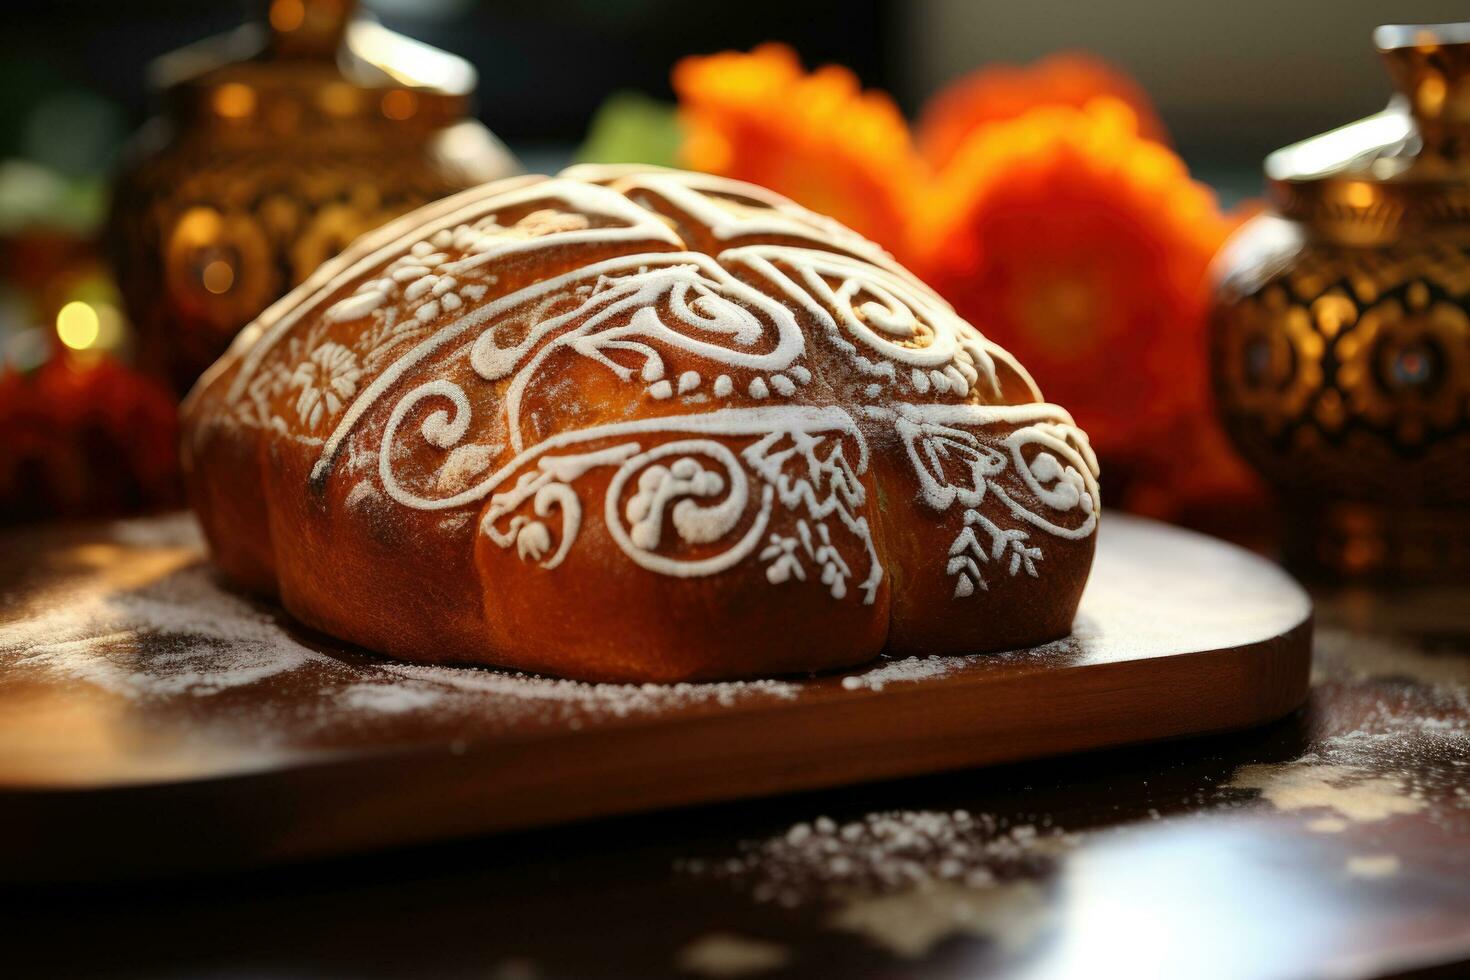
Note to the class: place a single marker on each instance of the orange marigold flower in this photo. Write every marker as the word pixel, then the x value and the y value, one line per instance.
pixel 1081 247
pixel 1003 92
pixel 816 137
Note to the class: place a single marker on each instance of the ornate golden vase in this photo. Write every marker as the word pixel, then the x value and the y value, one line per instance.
pixel 277 145
pixel 1341 331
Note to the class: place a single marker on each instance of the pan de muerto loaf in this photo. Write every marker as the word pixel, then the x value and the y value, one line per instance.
pixel 638 425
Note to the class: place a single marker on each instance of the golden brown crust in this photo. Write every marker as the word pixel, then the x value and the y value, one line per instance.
pixel 638 425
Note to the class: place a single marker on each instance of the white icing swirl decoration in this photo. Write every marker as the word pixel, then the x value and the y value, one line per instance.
pixel 756 475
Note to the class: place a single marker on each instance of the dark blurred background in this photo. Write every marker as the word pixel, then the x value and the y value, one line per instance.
pixel 544 67
pixel 1232 80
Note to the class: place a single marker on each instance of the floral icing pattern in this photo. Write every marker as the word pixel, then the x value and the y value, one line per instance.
pixel 326 378
pixel 756 472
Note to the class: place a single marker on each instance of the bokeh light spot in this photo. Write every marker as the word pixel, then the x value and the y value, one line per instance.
pixel 77 325
pixel 287 15
pixel 218 276
pixel 234 101
pixel 399 104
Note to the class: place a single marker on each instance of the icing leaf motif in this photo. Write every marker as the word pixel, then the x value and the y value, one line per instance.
pixel 951 463
pixel 784 564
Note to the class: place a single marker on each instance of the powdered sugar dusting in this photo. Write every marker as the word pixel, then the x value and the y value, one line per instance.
pixel 177 530
pixel 907 669
pixel 1412 725
pixel 1350 793
pixel 392 699
pixel 159 626
pixel 216 641
pixel 1406 750
pixel 618 699
pixel 725 954
pixel 905 879
pixel 910 923
pixel 883 852
pixel 1372 866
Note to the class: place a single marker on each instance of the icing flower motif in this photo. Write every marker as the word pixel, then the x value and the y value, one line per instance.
pixel 1081 247
pixel 428 278
pixel 327 379
pixel 1000 93
pixel 815 137
pixel 951 464
pixel 271 380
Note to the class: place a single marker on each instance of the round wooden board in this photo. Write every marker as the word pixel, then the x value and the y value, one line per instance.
pixel 151 722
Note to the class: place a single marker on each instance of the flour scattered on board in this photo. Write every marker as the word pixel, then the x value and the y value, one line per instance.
pixel 178 530
pixel 724 954
pixel 823 859
pixel 616 699
pixel 162 627
pixel 907 669
pixel 1372 866
pixel 1352 794
pixel 906 879
pixel 215 641
pixel 912 922
pixel 1327 825
pixel 389 699
pixel 1412 726
pixel 887 671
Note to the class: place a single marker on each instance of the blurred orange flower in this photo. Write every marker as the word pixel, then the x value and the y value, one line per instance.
pixel 1050 211
pixel 816 137
pixel 1081 246
pixel 1002 92
pixel 84 438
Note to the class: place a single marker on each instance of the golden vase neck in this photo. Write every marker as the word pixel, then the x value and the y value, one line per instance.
pixel 307 29
pixel 1402 172
pixel 1430 67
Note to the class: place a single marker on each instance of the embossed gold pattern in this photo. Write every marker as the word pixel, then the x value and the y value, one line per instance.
pixel 1341 331
pixel 279 145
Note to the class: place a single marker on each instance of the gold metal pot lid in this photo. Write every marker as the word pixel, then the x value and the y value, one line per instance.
pixel 1404 169
pixel 315 66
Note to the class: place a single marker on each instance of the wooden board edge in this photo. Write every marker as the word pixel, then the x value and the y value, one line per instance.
pixel 343 805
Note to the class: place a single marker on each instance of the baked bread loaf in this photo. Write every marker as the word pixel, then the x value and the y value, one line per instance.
pixel 634 424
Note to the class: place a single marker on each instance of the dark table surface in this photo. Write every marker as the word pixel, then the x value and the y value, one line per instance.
pixel 1333 843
